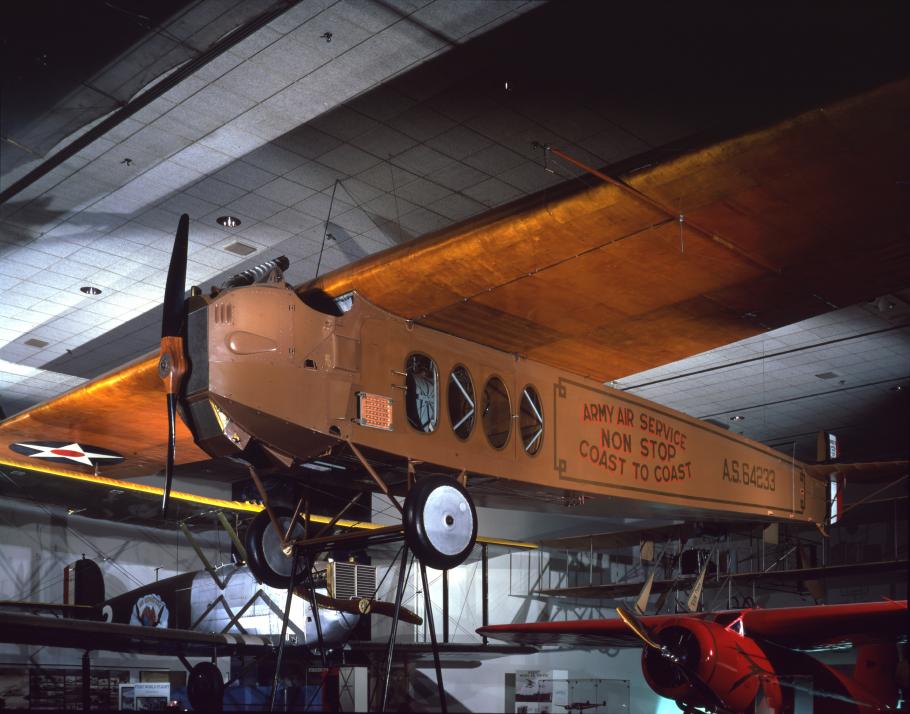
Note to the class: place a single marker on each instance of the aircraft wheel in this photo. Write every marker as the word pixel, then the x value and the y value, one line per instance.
pixel 440 522
pixel 267 560
pixel 205 687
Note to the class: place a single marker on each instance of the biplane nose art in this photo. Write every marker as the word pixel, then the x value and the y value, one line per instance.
pixel 63 452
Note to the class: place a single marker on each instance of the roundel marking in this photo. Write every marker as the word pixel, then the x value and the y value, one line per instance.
pixel 62 452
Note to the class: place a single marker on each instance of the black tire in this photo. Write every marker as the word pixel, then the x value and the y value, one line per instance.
pixel 440 522
pixel 267 561
pixel 205 688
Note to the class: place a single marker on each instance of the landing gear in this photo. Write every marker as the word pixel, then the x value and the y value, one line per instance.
pixel 440 522
pixel 269 559
pixel 205 688
pixel 439 526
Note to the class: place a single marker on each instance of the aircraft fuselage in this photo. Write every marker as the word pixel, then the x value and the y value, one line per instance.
pixel 194 601
pixel 267 367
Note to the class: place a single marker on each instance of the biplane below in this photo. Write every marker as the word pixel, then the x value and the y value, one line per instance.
pixel 473 361
pixel 218 612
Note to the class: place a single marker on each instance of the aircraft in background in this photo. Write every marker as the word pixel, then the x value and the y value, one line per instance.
pixel 750 661
pixel 695 567
pixel 224 608
pixel 581 706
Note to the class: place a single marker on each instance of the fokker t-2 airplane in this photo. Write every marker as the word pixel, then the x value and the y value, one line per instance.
pixel 477 356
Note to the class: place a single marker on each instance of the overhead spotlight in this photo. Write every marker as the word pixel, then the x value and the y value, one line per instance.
pixel 738 417
pixel 228 221
pixel 883 304
pixel 897 388
pixel 90 290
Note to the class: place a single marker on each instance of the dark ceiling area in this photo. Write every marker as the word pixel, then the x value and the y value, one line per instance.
pixel 391 150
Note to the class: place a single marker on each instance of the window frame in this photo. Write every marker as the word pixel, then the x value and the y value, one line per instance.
pixel 538 437
pixel 508 397
pixel 472 399
pixel 438 396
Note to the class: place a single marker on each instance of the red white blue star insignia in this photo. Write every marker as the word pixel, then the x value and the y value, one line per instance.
pixel 63 452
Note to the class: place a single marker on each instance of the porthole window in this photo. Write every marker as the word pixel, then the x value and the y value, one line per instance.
pixel 496 413
pixel 460 398
pixel 422 394
pixel 530 420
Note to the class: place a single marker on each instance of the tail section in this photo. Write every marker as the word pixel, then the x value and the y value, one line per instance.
pixel 83 584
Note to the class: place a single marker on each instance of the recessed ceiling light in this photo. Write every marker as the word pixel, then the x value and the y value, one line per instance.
pixel 228 221
pixel 738 417
pixel 895 388
pixel 35 342
pixel 827 375
pixel 90 290
pixel 239 248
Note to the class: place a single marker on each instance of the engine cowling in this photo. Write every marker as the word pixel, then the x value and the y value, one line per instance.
pixel 731 666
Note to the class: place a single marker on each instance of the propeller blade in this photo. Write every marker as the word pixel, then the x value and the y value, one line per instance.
pixel 381 607
pixel 172 365
pixel 638 627
pixel 692 604
pixel 175 286
pixel 641 602
pixel 365 606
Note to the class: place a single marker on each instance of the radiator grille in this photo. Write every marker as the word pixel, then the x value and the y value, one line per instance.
pixel 350 580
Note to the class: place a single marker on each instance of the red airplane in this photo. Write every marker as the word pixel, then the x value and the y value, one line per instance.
pixel 750 661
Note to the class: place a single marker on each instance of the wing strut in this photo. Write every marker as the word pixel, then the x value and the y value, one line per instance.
pixel 663 208
pixel 399 594
pixel 284 628
pixel 434 643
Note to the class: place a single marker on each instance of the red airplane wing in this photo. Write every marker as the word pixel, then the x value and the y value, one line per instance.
pixel 821 625
pixel 611 632
pixel 796 627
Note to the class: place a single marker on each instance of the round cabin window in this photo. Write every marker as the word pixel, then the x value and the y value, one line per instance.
pixel 496 413
pixel 460 397
pixel 422 393
pixel 530 420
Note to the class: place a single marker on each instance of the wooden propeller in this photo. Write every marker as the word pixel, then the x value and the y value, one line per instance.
pixel 172 364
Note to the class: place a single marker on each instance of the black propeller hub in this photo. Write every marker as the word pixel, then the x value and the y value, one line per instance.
pixel 671 666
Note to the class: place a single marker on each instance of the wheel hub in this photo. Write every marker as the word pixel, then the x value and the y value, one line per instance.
pixel 448 520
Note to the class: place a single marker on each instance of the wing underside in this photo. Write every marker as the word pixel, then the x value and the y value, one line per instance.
pixel 754 233
pixel 123 411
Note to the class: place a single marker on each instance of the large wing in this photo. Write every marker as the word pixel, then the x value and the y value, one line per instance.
pixel 110 637
pixel 611 632
pixel 123 411
pixel 796 627
pixel 867 471
pixel 778 225
pixel 624 538
pixel 822 625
